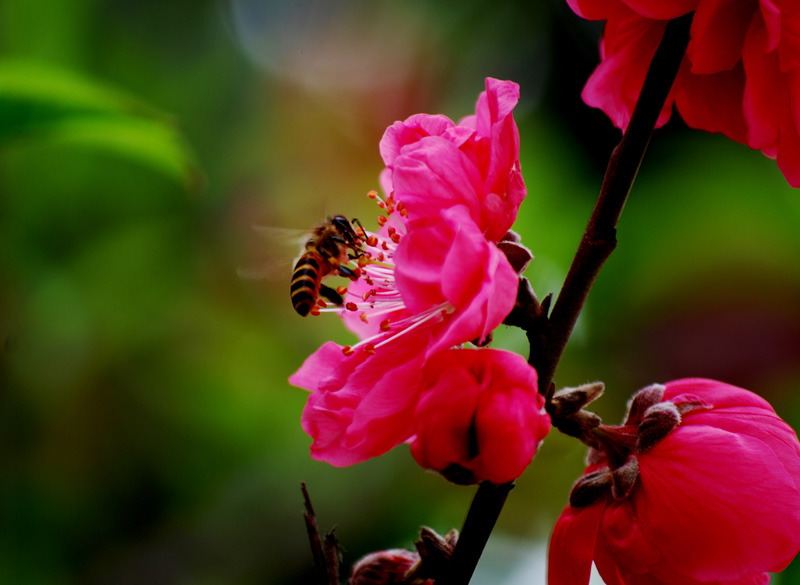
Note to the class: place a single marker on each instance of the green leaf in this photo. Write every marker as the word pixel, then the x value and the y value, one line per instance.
pixel 38 102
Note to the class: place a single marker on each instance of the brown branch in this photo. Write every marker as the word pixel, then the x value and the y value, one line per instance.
pixel 317 551
pixel 549 337
pixel 333 556
pixel 599 239
pixel 480 521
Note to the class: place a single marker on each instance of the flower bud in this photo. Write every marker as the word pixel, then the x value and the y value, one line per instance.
pixel 479 416
pixel 641 401
pixel 590 488
pixel 386 567
pixel 568 401
pixel 659 421
pixel 623 478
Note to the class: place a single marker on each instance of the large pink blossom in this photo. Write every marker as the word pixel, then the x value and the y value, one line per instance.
pixel 432 277
pixel 434 163
pixel 740 75
pixel 479 416
pixel 701 485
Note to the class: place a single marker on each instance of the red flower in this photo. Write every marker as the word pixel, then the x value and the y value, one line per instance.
pixel 479 416
pixel 700 486
pixel 740 75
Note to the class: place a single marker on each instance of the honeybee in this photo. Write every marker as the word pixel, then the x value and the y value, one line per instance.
pixel 326 252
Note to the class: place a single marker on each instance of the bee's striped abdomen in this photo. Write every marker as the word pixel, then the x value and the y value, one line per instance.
pixel 305 283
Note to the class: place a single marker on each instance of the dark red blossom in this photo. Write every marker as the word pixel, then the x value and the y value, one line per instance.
pixel 740 75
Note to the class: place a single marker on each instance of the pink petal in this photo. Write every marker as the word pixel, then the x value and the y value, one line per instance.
pixel 726 495
pixel 419 259
pixel 433 174
pixel 512 417
pixel 355 410
pixel 623 542
pixel 443 417
pixel 717 394
pixel 489 307
pixel 320 365
pixel 413 129
pixel 569 560
pixel 495 105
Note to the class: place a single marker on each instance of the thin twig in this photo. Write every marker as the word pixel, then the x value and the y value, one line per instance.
pixel 599 239
pixel 317 552
pixel 332 557
pixel 549 338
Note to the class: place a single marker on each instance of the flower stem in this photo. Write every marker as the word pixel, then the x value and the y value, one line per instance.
pixel 480 521
pixel 599 240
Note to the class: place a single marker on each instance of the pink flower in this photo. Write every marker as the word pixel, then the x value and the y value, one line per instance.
pixel 701 485
pixel 479 416
pixel 433 163
pixel 438 284
pixel 740 75
pixel 361 405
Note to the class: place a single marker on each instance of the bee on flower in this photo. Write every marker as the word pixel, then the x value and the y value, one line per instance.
pixel 431 278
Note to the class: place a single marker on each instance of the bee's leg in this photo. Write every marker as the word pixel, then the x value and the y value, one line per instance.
pixel 330 294
pixel 361 227
pixel 347 273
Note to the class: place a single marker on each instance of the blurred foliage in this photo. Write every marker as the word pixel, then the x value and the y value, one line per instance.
pixel 147 431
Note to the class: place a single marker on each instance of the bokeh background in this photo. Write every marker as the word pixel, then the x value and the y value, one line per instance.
pixel 147 430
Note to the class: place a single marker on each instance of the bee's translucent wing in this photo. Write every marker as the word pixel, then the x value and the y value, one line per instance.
pixel 275 260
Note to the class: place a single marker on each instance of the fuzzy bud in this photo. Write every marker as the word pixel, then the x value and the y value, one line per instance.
pixel 659 421
pixel 590 488
pixel 386 567
pixel 518 255
pixel 623 478
pixel 641 401
pixel 568 401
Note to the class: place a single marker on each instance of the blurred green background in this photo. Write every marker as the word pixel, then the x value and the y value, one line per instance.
pixel 147 430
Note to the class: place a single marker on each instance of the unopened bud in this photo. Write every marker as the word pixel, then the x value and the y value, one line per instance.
pixel 385 567
pixel 518 255
pixel 511 236
pixel 590 488
pixel 578 425
pixel 434 552
pixel 659 421
pixel 641 401
pixel 568 401
pixel 623 478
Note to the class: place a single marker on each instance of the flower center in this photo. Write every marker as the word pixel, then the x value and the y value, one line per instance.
pixel 374 295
